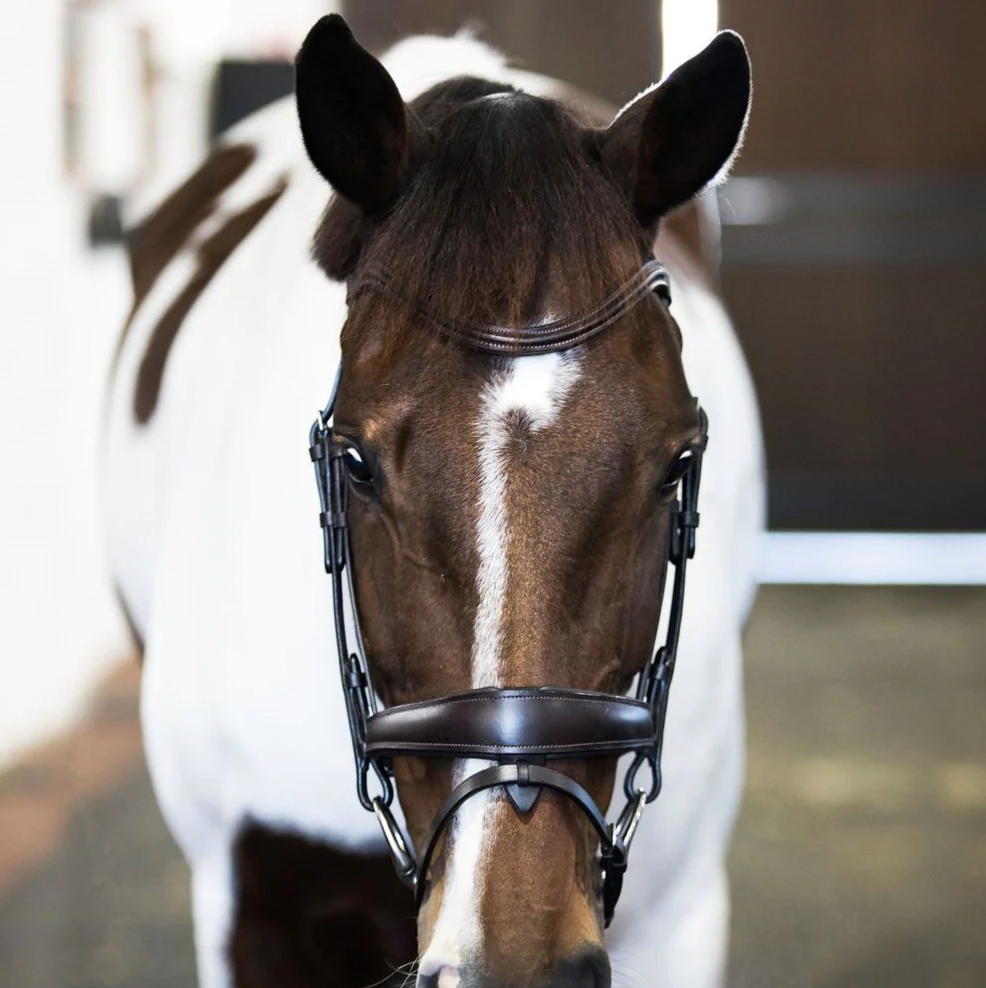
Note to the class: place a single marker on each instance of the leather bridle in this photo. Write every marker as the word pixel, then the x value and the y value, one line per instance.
pixel 561 334
pixel 522 730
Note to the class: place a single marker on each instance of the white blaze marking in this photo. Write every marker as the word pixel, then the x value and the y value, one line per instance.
pixel 536 387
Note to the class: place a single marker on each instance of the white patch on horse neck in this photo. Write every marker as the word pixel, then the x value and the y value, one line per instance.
pixel 419 63
pixel 535 386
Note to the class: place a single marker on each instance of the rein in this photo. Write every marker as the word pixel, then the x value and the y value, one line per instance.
pixel 522 730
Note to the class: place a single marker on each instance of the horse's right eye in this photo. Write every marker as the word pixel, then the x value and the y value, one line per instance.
pixel 357 464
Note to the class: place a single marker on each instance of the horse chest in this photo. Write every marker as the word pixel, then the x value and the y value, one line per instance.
pixel 242 708
pixel 214 536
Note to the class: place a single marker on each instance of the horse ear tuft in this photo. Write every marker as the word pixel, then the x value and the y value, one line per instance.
pixel 666 145
pixel 355 126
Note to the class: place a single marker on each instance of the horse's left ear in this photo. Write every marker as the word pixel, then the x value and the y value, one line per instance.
pixel 676 137
pixel 357 130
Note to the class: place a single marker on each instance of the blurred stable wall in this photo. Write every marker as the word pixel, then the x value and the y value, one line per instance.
pixel 855 228
pixel 855 231
pixel 580 41
pixel 855 267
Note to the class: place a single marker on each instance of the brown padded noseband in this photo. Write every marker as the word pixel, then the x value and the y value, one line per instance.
pixel 521 729
pixel 493 723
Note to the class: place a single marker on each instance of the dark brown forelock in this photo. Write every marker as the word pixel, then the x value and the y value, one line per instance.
pixel 509 213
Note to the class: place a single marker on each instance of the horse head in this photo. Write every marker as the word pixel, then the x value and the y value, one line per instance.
pixel 508 502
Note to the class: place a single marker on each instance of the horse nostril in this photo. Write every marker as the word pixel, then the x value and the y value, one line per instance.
pixel 587 969
pixel 444 977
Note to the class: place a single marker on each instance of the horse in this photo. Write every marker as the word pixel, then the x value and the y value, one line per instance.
pixel 509 511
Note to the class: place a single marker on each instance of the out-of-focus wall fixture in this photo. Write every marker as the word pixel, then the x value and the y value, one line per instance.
pixel 687 26
pixel 109 124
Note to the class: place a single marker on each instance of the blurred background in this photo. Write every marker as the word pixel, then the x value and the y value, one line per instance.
pixel 853 259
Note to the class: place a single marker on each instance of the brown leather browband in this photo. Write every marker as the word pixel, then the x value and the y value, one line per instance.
pixel 546 722
pixel 561 334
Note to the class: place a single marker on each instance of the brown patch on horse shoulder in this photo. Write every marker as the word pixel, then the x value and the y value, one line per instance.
pixel 309 914
pixel 212 254
pixel 153 244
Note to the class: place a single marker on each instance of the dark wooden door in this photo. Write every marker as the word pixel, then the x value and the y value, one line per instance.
pixel 854 242
pixel 855 258
pixel 581 41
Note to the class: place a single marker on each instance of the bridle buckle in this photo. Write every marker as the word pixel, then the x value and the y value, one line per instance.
pixel 626 824
pixel 404 863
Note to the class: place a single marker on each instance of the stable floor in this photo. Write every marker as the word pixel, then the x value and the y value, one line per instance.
pixel 859 860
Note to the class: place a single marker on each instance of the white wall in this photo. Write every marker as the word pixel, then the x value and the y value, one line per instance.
pixel 59 311
pixel 61 308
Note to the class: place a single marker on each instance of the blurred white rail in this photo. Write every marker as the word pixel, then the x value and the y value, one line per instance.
pixel 873 558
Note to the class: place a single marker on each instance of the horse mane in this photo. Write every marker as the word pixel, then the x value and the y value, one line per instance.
pixel 508 216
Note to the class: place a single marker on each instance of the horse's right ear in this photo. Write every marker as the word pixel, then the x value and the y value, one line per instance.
pixel 357 130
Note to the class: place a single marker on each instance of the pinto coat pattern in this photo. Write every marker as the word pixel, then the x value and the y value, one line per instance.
pixel 232 344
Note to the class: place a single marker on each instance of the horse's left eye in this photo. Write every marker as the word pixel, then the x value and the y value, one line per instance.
pixel 673 477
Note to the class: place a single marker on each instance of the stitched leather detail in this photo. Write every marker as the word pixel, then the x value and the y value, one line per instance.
pixel 546 722
pixel 378 747
pixel 543 693
pixel 651 278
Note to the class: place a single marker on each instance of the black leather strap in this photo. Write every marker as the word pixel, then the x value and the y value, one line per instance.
pixel 613 853
pixel 497 723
